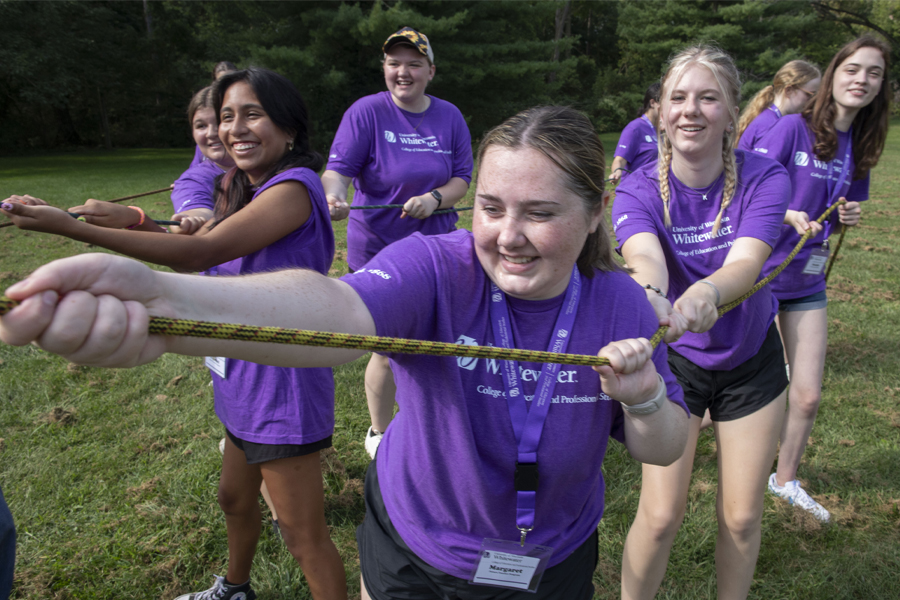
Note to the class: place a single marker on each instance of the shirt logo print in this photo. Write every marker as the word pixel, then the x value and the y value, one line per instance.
pixel 801 159
pixel 389 136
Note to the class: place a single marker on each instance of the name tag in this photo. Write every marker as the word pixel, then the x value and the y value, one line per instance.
pixel 511 565
pixel 817 261
pixel 218 365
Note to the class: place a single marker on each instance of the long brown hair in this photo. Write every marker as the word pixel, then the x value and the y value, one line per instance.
pixel 792 75
pixel 722 66
pixel 870 125
pixel 567 138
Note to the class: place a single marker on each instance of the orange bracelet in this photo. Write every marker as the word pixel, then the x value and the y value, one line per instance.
pixel 143 217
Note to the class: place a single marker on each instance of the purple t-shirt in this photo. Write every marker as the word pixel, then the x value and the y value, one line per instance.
pixel 393 155
pixel 277 405
pixel 447 461
pixel 693 253
pixel 638 144
pixel 791 142
pixel 199 157
pixel 196 187
pixel 758 128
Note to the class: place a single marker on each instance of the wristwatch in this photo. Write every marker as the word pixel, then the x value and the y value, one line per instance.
pixel 437 196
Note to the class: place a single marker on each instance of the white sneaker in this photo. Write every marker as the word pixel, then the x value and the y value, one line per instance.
pixel 373 439
pixel 222 446
pixel 796 495
pixel 221 591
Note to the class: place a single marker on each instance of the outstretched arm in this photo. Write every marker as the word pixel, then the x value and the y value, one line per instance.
pixel 94 309
pixel 276 212
pixel 657 437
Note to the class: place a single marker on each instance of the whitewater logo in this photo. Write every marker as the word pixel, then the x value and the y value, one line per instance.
pixel 492 366
pixel 562 333
pixel 650 139
pixel 466 362
pixel 389 136
pixel 497 297
pixel 801 159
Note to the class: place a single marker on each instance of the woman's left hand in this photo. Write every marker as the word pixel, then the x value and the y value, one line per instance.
pixel 107 214
pixel 630 377
pixel 849 213
pixel 420 207
pixel 33 214
pixel 698 306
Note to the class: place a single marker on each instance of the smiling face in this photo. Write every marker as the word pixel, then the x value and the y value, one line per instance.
pixel 205 131
pixel 857 81
pixel 249 135
pixel 406 74
pixel 695 115
pixel 529 228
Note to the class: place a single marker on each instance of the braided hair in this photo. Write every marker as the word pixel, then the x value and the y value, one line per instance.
pixel 722 67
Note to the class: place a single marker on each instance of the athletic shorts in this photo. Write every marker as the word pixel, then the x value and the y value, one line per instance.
pixel 811 302
pixel 733 394
pixel 392 571
pixel 260 453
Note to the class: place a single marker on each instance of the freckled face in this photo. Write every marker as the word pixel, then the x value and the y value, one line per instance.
pixel 250 137
pixel 529 229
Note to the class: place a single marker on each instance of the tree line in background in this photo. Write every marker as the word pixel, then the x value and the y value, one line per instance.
pixel 120 74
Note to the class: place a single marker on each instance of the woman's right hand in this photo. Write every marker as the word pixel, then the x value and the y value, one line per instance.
pixel 107 214
pixel 799 220
pixel 33 214
pixel 338 207
pixel 91 309
pixel 697 306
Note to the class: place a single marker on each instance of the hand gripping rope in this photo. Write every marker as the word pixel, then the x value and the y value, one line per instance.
pixel 278 335
pixel 122 199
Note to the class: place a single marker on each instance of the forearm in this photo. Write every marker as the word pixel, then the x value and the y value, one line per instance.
pixel 452 192
pixel 732 281
pixel 336 184
pixel 619 163
pixel 658 438
pixel 298 299
pixel 181 252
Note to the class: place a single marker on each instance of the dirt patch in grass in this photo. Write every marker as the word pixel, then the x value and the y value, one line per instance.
pixel 59 416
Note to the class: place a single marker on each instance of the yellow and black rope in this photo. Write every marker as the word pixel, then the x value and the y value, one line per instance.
pixel 327 339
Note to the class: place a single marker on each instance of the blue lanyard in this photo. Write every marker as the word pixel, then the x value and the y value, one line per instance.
pixel 835 192
pixel 652 128
pixel 775 110
pixel 529 424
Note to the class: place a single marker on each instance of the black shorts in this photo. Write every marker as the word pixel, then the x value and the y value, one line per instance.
pixel 260 453
pixel 392 571
pixel 733 394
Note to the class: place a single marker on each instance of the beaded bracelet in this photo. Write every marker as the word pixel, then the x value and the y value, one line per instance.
pixel 655 289
pixel 143 217
pixel 715 289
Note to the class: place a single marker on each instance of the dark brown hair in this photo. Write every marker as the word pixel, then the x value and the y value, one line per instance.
pixel 285 107
pixel 567 138
pixel 871 122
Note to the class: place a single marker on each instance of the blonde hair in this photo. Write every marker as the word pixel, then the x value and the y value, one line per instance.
pixel 722 67
pixel 794 74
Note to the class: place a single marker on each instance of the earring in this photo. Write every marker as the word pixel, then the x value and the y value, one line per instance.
pixel 291 146
pixel 730 127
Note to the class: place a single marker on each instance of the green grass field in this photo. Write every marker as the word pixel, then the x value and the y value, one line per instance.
pixel 111 475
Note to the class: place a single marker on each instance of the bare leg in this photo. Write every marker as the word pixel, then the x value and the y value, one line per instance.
pixel 380 391
pixel 746 449
pixel 707 421
pixel 660 512
pixel 297 492
pixel 238 499
pixel 363 594
pixel 805 336
pixel 264 490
